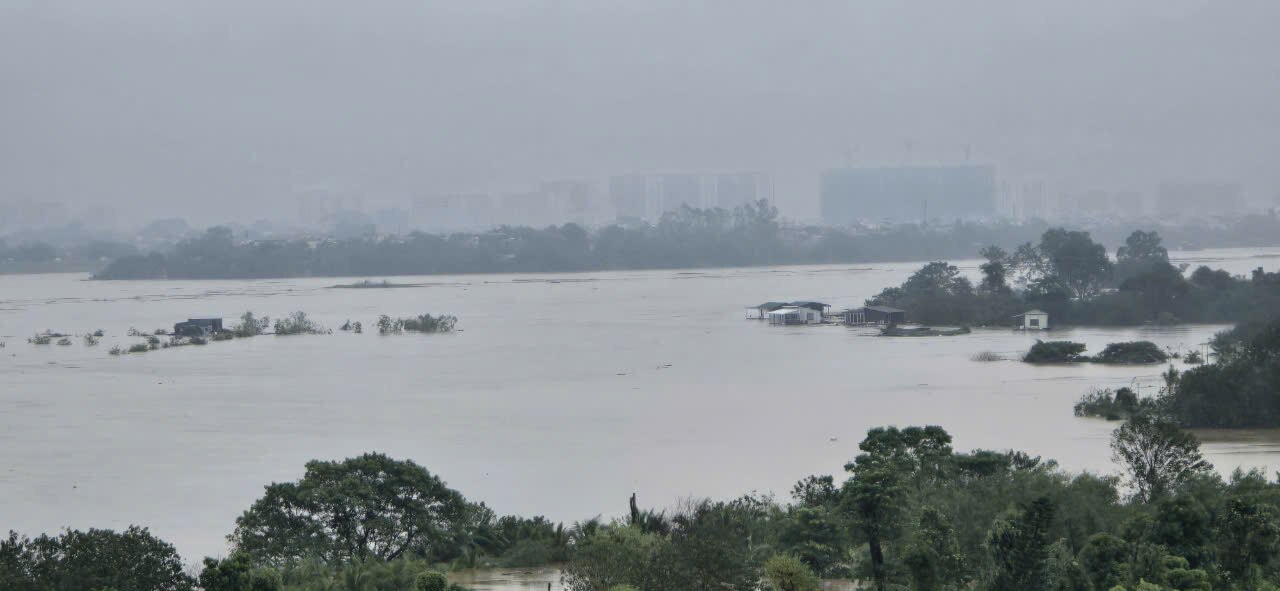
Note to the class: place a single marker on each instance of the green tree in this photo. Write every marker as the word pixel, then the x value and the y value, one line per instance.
pixel 1074 259
pixel 132 560
pixel 237 573
pixel 995 272
pixel 370 507
pixel 816 536
pixel 934 557
pixel 1105 560
pixel 1019 548
pixel 619 555
pixel 1157 455
pixel 874 496
pixel 786 572
pixel 1251 540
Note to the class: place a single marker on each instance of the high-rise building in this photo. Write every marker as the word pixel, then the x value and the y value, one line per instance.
pixel 1194 199
pixel 908 193
pixel 648 196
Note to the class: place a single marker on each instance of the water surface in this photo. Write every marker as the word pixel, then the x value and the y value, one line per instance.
pixel 562 395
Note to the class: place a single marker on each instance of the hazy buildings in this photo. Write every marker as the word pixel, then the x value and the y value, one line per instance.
pixel 648 196
pixel 1192 199
pixel 907 193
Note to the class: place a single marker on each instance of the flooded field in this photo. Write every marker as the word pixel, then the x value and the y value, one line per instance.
pixel 562 394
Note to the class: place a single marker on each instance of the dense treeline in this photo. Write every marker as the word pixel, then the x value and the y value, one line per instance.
pixel 910 514
pixel 1072 278
pixel 1241 388
pixel 748 235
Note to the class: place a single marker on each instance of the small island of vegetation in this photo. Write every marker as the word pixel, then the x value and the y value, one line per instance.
pixel 1071 277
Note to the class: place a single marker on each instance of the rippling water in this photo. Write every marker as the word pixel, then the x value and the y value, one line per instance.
pixel 561 396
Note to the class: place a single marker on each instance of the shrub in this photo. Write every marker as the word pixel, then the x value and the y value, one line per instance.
pixel 1113 406
pixel 98 333
pixel 297 323
pixel 90 340
pixel 251 326
pixel 387 326
pixel 116 350
pixel 432 581
pixel 1132 353
pixel 429 323
pixel 357 327
pixel 1055 352
pixel 223 336
pixel 1193 358
pixel 64 341
pixel 785 572
pixel 199 341
pixel 40 339
pixel 987 356
pixel 139 348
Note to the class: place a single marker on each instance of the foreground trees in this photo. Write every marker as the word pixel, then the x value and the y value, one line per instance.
pixel 911 514
pixel 370 507
pixel 132 560
pixel 1157 456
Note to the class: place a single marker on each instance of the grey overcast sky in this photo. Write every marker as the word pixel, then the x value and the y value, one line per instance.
pixel 228 108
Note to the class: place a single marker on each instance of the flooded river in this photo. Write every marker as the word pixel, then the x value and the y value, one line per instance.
pixel 562 394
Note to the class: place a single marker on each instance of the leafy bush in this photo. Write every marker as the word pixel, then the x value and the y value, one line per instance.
pixel 297 323
pixel 40 339
pixel 431 581
pixel 1131 353
pixel 250 326
pixel 1193 358
pixel 139 348
pixel 90 340
pixel 987 356
pixel 116 350
pixel 1055 352
pixel 388 326
pixel 429 323
pixel 64 341
pixel 1113 406
pixel 223 336
pixel 785 572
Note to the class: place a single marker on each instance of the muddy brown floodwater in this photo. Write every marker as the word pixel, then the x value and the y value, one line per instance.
pixel 561 396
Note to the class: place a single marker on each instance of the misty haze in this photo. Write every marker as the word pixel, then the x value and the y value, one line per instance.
pixel 309 295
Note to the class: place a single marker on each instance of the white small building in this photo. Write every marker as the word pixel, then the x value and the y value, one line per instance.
pixel 795 315
pixel 1032 320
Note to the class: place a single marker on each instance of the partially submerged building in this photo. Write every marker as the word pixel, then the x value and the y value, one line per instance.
pixel 762 311
pixel 795 315
pixel 801 312
pixel 198 327
pixel 1032 320
pixel 874 315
